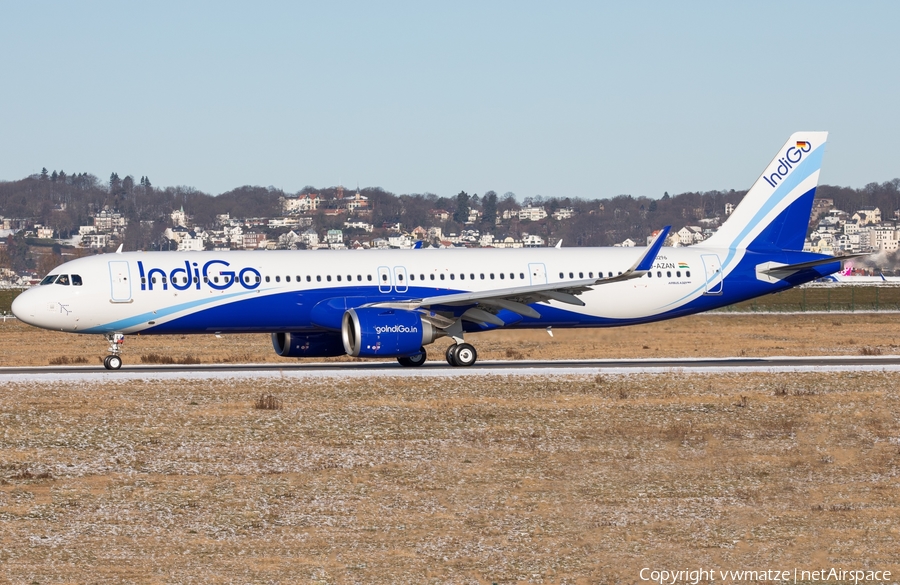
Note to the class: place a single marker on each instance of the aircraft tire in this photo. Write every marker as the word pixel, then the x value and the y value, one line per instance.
pixel 465 355
pixel 413 361
pixel 451 355
pixel 112 362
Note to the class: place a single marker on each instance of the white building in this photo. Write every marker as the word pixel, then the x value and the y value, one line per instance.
pixel 532 213
pixel 95 241
pixel 868 215
pixel 690 234
pixel 532 241
pixel 310 237
pixel 179 217
pixel 192 242
pixel 299 203
pixel 564 213
pixel 359 225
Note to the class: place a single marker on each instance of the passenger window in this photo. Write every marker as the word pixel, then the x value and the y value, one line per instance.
pixel 590 275
pixel 349 278
pixel 561 275
pixel 153 280
pixel 328 278
pixel 462 276
pixel 649 275
pixel 502 276
pixel 412 276
pixel 581 275
pixel 49 279
pixel 267 279
pixel 63 279
pixel 512 275
pixel 471 277
pixel 76 280
pixel 163 280
pixel 257 279
pixel 492 276
pixel 318 278
pixel 442 277
pixel 359 277
pixel 571 275
pixel 384 277
pixel 482 276
pixel 369 277
pixel 522 275
pixel 669 274
pixel 432 277
pixel 421 277
pixel 287 278
pixel 143 280
pixel 339 277
pixel 308 278
pixel 659 274
pixel 400 277
pixel 610 274
pixel 452 276
pixel 678 274
pixel 688 273
pixel 277 279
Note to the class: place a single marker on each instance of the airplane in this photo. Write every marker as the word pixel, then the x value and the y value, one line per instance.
pixel 846 276
pixel 393 303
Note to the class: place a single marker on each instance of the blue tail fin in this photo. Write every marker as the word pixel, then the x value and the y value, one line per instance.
pixel 774 214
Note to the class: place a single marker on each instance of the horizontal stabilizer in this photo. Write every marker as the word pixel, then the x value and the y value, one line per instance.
pixel 774 271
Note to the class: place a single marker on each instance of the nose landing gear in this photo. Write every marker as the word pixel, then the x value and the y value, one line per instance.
pixel 114 361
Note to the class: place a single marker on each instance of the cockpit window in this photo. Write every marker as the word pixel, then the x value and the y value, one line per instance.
pixel 49 279
pixel 76 280
pixel 63 279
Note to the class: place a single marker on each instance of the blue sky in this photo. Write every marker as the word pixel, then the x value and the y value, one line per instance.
pixel 588 99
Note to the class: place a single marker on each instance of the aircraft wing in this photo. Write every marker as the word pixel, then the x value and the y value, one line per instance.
pixel 517 299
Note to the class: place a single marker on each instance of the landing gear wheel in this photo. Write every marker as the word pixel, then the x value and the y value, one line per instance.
pixel 112 362
pixel 465 355
pixel 414 361
pixel 451 355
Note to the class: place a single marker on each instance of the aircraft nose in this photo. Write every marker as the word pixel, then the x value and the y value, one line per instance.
pixel 23 308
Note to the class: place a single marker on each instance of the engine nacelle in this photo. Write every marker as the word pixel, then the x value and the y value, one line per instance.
pixel 307 344
pixel 374 332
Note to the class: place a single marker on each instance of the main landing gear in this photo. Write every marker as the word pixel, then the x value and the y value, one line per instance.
pixel 461 354
pixel 414 361
pixel 458 354
pixel 113 361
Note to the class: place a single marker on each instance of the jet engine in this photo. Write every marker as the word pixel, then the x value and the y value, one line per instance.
pixel 374 332
pixel 307 344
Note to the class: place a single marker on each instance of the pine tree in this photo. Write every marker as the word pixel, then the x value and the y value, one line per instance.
pixel 54 176
pixel 44 174
pixel 114 183
pixel 461 215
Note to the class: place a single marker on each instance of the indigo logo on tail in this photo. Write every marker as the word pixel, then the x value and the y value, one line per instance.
pixel 791 157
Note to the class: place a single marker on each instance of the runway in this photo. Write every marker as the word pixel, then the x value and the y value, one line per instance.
pixel 441 369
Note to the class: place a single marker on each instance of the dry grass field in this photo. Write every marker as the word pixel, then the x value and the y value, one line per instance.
pixel 706 335
pixel 498 479
pixel 481 479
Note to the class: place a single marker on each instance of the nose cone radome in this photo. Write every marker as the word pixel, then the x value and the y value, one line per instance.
pixel 25 308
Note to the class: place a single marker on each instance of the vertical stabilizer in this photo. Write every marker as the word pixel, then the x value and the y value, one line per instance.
pixel 774 214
